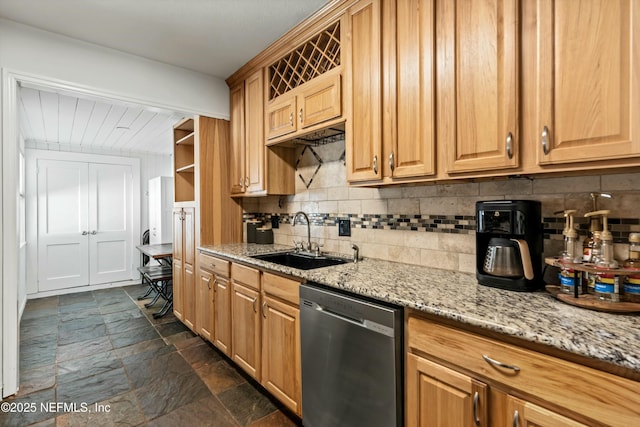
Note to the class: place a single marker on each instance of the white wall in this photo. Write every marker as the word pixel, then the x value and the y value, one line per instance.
pixel 31 51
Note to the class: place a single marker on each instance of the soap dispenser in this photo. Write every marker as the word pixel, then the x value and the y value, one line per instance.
pixel 606 285
pixel 594 225
pixel 570 253
pixel 606 250
pixel 568 276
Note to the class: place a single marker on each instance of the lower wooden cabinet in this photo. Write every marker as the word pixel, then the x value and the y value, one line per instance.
pixel 455 377
pixel 205 304
pixel 439 396
pixel 281 369
pixel 254 318
pixel 214 304
pixel 245 318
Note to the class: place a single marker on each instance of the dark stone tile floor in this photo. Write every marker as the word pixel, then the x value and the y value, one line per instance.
pixel 102 354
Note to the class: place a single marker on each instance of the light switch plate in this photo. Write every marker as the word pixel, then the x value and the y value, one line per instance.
pixel 344 227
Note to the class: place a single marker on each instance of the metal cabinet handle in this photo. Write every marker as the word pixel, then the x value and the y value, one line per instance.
pixel 94 232
pixel 500 364
pixel 255 310
pixel 300 115
pixel 375 164
pixel 241 183
pixel 208 282
pixel 215 284
pixel 545 140
pixel 246 181
pixel 264 306
pixel 291 118
pixel 510 145
pixel 392 165
pixel 516 419
pixel 476 399
pixel 85 232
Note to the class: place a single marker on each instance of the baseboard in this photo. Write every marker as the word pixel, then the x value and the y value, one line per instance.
pixel 82 289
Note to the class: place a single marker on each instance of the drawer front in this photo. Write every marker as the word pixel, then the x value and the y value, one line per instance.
pixel 248 276
pixel 215 265
pixel 281 287
pixel 590 392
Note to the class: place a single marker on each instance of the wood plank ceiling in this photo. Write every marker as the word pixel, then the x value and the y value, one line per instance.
pixel 94 125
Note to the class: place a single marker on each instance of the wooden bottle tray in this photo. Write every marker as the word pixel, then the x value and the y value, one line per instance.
pixel 589 301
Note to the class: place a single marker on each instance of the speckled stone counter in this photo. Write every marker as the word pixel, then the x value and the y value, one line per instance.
pixel 536 317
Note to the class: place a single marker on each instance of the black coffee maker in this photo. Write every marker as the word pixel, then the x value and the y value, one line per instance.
pixel 509 244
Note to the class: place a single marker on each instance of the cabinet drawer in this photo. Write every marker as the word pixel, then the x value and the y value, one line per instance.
pixel 586 391
pixel 281 287
pixel 215 265
pixel 246 275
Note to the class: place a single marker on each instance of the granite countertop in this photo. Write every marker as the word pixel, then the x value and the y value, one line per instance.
pixel 533 316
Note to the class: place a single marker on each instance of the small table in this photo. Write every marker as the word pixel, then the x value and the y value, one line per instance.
pixel 158 277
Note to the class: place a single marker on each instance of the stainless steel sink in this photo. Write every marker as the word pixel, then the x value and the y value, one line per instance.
pixel 300 261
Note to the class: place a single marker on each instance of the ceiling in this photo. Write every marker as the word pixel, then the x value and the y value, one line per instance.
pixel 214 37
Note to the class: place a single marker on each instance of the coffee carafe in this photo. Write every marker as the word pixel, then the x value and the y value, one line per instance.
pixel 509 244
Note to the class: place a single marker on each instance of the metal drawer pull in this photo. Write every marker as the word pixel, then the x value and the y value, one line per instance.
pixel 476 398
pixel 510 145
pixel 246 181
pixel 264 305
pixel 255 310
pixel 516 419
pixel 545 140
pixel 241 183
pixel 391 162
pixel 300 115
pixel 291 118
pixel 375 164
pixel 500 364
pixel 85 232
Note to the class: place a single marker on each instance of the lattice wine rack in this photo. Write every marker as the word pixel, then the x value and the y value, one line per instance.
pixel 307 61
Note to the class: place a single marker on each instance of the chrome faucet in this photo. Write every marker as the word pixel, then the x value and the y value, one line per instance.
pixel 308 227
pixel 356 252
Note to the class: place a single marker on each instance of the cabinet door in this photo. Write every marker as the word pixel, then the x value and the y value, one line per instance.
pixel 236 169
pixel 589 80
pixel 222 314
pixel 254 133
pixel 177 265
pixel 320 101
pixel 281 371
pixel 364 92
pixel 439 396
pixel 525 414
pixel 205 305
pixel 188 264
pixel 478 80
pixel 245 326
pixel 412 152
pixel 281 116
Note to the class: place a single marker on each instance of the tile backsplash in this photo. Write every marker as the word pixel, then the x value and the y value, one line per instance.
pixel 433 224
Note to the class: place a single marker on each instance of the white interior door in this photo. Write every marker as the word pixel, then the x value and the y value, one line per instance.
pixel 110 223
pixel 63 245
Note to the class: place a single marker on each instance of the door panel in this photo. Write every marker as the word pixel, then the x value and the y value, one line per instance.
pixel 63 245
pixel 110 223
pixel 588 80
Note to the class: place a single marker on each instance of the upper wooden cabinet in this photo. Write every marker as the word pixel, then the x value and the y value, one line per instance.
pixel 409 89
pixel 316 102
pixel 184 160
pixel 364 91
pixel 588 80
pixel 305 91
pixel 477 57
pixel 256 170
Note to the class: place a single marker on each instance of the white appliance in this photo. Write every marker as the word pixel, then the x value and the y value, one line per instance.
pixel 160 207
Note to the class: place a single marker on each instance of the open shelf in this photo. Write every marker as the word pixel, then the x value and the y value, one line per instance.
pixel 186 169
pixel 186 140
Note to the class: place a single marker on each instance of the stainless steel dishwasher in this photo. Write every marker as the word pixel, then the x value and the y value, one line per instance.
pixel 352 370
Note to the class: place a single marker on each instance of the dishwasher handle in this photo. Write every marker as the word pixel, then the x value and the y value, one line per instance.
pixel 362 323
